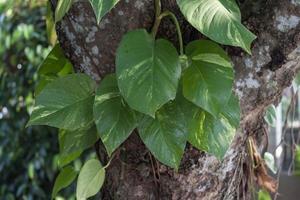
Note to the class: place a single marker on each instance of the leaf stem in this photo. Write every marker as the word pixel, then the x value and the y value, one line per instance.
pixel 175 21
pixel 159 16
pixel 111 158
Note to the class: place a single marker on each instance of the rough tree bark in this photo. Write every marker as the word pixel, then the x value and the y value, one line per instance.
pixel 259 82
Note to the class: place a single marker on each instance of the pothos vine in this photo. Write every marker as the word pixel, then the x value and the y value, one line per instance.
pixel 171 98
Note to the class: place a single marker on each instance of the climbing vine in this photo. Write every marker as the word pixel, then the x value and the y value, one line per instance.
pixel 171 97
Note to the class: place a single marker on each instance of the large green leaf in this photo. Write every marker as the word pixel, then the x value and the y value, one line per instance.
pixel 65 103
pixel 62 8
pixel 166 135
pixel 148 71
pixel 101 7
pixel 208 133
pixel 90 179
pixel 71 142
pixel 114 118
pixel 206 83
pixel 220 20
pixel 64 179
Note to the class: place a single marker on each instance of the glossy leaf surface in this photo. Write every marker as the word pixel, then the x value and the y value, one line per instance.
pixel 207 83
pixel 148 71
pixel 220 20
pixel 65 103
pixel 166 135
pixel 115 120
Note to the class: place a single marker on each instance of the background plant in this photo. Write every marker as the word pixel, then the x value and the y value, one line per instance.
pixel 27 156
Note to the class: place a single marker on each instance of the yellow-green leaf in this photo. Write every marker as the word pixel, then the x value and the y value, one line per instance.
pixel 90 179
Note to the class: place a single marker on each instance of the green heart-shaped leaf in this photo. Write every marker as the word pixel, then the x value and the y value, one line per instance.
pixel 65 103
pixel 208 133
pixel 166 135
pixel 148 71
pixel 114 118
pixel 206 83
pixel 220 20
pixel 90 179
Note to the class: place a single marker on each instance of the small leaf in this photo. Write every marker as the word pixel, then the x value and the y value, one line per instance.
pixel 270 116
pixel 166 135
pixel 65 103
pixel 90 179
pixel 55 63
pixel 62 8
pixel 63 180
pixel 270 162
pixel 101 7
pixel 211 134
pixel 148 71
pixel 206 83
pixel 264 195
pixel 220 20
pixel 114 118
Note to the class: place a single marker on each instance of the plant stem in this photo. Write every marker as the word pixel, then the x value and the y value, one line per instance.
pixel 175 21
pixel 157 18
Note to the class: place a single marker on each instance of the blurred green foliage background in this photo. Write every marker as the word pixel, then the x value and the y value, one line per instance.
pixel 27 155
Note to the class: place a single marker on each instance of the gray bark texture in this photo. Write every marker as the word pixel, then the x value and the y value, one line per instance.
pixel 259 81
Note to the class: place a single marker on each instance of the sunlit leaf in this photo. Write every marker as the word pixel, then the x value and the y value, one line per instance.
pixel 62 8
pixel 207 83
pixel 90 179
pixel 220 20
pixel 264 195
pixel 50 25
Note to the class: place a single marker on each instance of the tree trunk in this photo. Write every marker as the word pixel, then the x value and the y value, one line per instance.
pixel 259 82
